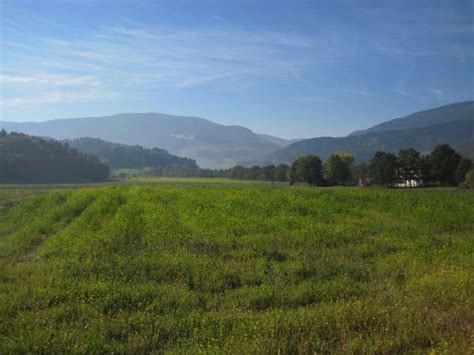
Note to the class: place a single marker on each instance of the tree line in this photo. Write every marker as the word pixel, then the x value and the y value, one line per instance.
pixel 443 166
pixel 28 159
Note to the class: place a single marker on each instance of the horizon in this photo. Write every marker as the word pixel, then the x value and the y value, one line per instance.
pixel 286 69
pixel 227 125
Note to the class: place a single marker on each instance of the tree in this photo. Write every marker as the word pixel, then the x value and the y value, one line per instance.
pixel 469 180
pixel 383 168
pixel 444 162
pixel 409 164
pixel 268 173
pixel 337 169
pixel 281 172
pixel 425 169
pixel 360 170
pixel 463 167
pixel 237 172
pixel 307 169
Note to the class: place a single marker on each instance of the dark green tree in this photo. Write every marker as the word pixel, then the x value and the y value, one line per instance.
pixel 463 167
pixel 383 168
pixel 307 169
pixel 444 162
pixel 337 169
pixel 409 164
pixel 268 173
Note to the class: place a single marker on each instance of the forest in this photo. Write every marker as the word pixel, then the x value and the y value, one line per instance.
pixel 28 159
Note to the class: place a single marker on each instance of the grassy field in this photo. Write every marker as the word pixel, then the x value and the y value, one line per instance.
pixel 235 268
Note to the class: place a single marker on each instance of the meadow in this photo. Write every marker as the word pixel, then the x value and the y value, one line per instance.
pixel 199 266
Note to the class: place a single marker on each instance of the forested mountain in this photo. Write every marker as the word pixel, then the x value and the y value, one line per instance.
pixel 118 155
pixel 452 124
pixel 28 159
pixel 449 113
pixel 212 145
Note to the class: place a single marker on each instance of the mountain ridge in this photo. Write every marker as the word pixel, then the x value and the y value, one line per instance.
pixel 212 145
pixel 418 130
pixel 428 117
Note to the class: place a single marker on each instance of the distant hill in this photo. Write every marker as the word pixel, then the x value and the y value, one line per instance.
pixel 444 114
pixel 27 159
pixel 212 145
pixel 118 155
pixel 451 124
pixel 280 142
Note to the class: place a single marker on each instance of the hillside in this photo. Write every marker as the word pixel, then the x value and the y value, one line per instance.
pixel 27 159
pixel 212 145
pixel 119 156
pixel 416 131
pixel 189 270
pixel 449 113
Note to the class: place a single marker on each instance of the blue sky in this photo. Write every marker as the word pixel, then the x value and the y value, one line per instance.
pixel 288 68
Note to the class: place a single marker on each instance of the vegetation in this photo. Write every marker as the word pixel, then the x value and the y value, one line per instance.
pixel 129 269
pixel 267 173
pixel 338 169
pixel 121 156
pixel 443 166
pixel 444 161
pixel 27 159
pixel 463 168
pixel 307 169
pixel 383 168
pixel 469 180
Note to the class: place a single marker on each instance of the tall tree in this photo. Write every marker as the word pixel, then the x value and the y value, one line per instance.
pixel 444 162
pixel 409 164
pixel 307 169
pixel 383 168
pixel 337 169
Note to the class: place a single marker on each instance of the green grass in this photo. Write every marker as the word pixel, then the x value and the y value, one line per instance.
pixel 237 269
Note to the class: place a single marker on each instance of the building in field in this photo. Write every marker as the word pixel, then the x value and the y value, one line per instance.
pixel 409 183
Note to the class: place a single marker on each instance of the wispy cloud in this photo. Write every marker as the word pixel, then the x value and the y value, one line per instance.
pixel 56 80
pixel 132 55
pixel 58 97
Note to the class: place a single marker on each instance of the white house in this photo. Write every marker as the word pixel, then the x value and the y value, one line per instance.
pixel 409 183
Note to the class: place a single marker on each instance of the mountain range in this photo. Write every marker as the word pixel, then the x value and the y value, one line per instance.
pixel 214 145
pixel 452 124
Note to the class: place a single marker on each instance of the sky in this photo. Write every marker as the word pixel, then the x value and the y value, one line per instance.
pixel 294 69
